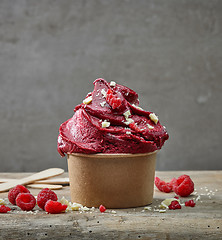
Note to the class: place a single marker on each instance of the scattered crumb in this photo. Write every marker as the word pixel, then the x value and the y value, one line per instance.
pixel 198 198
pixel 2 201
pixel 148 208
pixel 162 210
pixel 156 210
pixel 85 208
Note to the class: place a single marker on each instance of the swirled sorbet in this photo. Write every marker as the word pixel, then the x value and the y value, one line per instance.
pixel 110 121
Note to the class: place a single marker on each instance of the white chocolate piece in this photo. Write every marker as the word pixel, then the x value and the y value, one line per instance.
pixel 105 124
pixel 154 118
pixel 88 100
pixel 103 92
pixel 137 107
pixel 128 121
pixel 102 104
pixel 166 203
pixel 127 114
pixel 112 84
pixel 150 126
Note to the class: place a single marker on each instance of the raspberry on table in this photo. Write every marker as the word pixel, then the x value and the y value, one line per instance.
pixel 190 203
pixel 4 209
pixel 54 207
pixel 13 193
pixel 162 185
pixel 173 183
pixel 113 101
pixel 26 201
pixel 102 208
pixel 174 205
pixel 185 186
pixel 44 195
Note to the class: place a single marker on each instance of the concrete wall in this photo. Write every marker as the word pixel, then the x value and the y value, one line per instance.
pixel 169 51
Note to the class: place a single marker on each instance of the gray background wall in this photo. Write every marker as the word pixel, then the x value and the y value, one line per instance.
pixel 169 51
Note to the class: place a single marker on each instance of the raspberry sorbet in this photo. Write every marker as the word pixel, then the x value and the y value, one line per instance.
pixel 110 121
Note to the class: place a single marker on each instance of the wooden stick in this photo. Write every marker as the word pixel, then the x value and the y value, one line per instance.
pixel 41 186
pixel 27 180
pixel 62 181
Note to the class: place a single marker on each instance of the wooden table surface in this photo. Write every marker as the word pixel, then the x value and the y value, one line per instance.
pixel 204 221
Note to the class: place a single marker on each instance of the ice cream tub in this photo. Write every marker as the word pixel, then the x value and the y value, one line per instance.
pixel 111 145
pixel 113 180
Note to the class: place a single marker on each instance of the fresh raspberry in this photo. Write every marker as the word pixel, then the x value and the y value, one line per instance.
pixel 162 185
pixel 174 184
pixel 102 208
pixel 26 201
pixel 44 195
pixel 176 197
pixel 13 193
pixel 113 101
pixel 134 127
pixel 174 205
pixel 4 209
pixel 190 203
pixel 54 207
pixel 185 186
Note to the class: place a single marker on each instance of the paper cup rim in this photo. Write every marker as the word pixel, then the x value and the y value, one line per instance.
pixel 111 155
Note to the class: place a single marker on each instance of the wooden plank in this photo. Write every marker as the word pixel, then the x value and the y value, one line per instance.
pixel 201 222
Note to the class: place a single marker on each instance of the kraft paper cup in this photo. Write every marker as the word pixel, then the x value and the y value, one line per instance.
pixel 113 180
